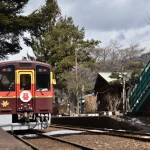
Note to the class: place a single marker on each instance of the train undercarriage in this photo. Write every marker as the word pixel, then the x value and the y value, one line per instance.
pixel 24 121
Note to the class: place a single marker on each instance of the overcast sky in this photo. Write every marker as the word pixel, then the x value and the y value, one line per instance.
pixel 104 20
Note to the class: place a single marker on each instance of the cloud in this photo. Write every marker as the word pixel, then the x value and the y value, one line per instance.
pixel 104 20
pixel 121 36
pixel 125 37
pixel 106 15
pixel 32 6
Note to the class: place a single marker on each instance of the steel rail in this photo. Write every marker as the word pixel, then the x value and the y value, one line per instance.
pixel 64 141
pixel 27 143
pixel 124 134
pixel 103 129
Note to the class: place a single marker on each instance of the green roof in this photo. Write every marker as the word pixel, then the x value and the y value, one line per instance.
pixel 106 76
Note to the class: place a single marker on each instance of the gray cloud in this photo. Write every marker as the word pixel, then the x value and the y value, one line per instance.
pixel 121 20
pixel 33 5
pixel 121 36
pixel 106 15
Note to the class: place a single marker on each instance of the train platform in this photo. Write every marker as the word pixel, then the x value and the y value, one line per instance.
pixel 9 142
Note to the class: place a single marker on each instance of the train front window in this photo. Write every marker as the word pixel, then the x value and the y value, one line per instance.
pixel 25 82
pixel 7 78
pixel 42 78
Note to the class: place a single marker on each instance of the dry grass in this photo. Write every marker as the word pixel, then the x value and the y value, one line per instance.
pixel 90 104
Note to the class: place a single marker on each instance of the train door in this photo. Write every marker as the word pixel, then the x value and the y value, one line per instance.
pixel 25 90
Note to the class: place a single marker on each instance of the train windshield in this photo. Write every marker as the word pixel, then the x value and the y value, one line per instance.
pixel 42 78
pixel 25 82
pixel 7 78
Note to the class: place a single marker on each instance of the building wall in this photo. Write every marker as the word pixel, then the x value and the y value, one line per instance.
pixel 101 89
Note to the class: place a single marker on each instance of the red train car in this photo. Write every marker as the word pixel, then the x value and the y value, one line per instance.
pixel 26 94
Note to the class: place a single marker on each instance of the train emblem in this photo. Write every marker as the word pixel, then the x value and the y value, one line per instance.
pixel 25 96
pixel 5 103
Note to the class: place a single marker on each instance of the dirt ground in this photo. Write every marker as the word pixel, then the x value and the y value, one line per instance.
pixel 105 142
pixel 141 122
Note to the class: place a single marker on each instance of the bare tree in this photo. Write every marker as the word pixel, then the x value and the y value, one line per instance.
pixel 101 54
pixel 61 102
pixel 128 54
pixel 113 102
pixel 115 47
pixel 63 109
pixel 109 101
pixel 133 51
pixel 97 54
pixel 85 77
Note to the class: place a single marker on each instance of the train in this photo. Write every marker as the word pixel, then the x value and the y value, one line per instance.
pixel 26 95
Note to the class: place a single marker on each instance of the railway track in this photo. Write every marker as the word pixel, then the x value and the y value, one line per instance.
pixel 55 140
pixel 65 141
pixel 26 142
pixel 42 140
pixel 119 133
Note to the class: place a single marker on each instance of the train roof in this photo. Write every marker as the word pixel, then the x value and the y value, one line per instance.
pixel 17 62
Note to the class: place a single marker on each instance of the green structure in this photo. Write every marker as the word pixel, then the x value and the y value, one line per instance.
pixel 140 93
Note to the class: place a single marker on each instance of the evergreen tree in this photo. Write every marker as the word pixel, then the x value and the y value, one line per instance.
pixel 13 25
pixel 59 46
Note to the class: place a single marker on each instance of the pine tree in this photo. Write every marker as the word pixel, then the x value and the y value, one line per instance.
pixel 59 42
pixel 13 25
pixel 59 45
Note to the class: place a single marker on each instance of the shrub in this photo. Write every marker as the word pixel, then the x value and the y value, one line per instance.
pixel 90 105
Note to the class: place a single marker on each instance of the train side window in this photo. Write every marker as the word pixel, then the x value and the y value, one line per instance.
pixel 7 78
pixel 25 82
pixel 42 82
pixel 7 82
pixel 42 78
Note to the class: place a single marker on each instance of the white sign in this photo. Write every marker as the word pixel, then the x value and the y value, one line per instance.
pixel 25 96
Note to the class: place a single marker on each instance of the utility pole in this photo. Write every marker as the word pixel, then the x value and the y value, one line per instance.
pixel 123 78
pixel 77 86
pixel 81 106
pixel 124 95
